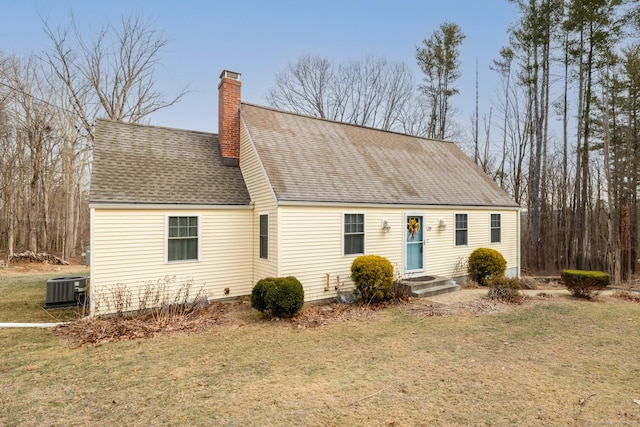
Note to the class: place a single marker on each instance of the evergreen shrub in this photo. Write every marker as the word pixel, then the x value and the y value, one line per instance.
pixel 584 284
pixel 372 276
pixel 278 296
pixel 260 291
pixel 485 264
pixel 287 298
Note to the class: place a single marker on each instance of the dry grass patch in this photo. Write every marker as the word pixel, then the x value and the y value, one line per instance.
pixel 550 361
pixel 22 296
pixel 627 295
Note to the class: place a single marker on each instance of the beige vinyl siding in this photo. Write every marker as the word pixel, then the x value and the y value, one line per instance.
pixel 311 242
pixel 444 258
pixel 264 202
pixel 311 245
pixel 129 250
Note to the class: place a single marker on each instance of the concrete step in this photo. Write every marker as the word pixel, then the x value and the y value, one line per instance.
pixel 430 286
pixel 436 290
pixel 434 282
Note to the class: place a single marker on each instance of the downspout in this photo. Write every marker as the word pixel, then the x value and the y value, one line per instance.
pixel 92 262
pixel 519 240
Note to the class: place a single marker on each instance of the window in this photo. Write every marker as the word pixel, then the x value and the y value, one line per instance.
pixel 353 234
pixel 495 228
pixel 462 230
pixel 264 236
pixel 182 238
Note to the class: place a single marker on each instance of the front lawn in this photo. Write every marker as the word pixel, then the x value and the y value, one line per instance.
pixel 552 361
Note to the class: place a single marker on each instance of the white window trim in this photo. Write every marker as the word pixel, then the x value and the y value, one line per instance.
pixel 166 237
pixel 364 234
pixel 491 228
pixel 455 230
pixel 260 214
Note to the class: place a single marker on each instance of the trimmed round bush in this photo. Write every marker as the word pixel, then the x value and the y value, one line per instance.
pixel 278 297
pixel 372 276
pixel 260 291
pixel 287 298
pixel 485 264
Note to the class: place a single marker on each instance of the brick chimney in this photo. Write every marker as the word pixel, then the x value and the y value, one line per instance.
pixel 229 117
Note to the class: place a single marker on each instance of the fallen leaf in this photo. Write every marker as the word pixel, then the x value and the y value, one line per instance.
pixel 636 401
pixel 33 368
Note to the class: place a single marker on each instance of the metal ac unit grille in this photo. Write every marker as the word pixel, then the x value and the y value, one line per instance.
pixel 61 290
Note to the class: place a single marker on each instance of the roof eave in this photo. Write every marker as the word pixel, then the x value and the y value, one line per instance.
pixel 319 203
pixel 165 206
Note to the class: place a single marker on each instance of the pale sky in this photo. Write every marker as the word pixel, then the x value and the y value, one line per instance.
pixel 258 38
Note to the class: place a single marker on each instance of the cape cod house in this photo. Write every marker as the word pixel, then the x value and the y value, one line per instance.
pixel 278 194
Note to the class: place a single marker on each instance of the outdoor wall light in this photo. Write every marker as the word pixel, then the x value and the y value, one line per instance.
pixel 385 226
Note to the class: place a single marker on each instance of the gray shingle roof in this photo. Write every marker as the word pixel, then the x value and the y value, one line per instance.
pixel 314 160
pixel 135 163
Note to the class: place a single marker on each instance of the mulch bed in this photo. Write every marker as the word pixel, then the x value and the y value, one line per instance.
pixel 97 331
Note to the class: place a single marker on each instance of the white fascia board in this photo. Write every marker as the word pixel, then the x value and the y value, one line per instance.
pixel 159 206
pixel 395 206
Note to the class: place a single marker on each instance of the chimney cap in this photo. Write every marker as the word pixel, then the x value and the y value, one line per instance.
pixel 226 74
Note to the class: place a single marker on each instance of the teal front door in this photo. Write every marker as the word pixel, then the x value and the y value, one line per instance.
pixel 415 243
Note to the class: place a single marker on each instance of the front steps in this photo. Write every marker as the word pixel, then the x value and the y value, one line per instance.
pixel 428 286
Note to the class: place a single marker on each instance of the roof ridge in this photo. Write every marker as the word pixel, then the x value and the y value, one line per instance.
pixel 293 113
pixel 150 126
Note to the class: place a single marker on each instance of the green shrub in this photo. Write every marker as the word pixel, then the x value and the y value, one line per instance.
pixel 259 293
pixel 278 296
pixel 485 264
pixel 584 284
pixel 287 298
pixel 505 289
pixel 372 276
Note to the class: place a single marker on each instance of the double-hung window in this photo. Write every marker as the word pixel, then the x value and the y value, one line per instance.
pixel 496 227
pixel 182 238
pixel 353 234
pixel 462 230
pixel 264 236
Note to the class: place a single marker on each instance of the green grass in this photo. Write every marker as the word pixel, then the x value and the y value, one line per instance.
pixel 23 296
pixel 529 365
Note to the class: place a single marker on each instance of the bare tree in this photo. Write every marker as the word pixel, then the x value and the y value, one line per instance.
pixel 111 74
pixel 368 92
pixel 47 110
pixel 503 67
pixel 304 87
pixel 30 150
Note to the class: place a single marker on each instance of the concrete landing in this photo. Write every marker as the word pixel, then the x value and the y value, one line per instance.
pixel 430 286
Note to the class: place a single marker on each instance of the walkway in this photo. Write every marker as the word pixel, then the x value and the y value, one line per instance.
pixel 28 325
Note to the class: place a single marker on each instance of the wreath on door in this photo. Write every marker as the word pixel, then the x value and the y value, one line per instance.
pixel 413 226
